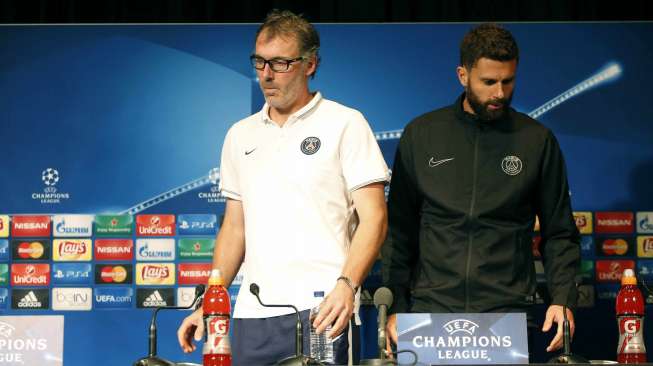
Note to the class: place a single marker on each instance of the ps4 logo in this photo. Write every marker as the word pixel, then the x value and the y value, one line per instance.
pixel 197 224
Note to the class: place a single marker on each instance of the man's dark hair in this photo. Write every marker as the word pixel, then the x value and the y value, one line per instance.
pixel 487 40
pixel 285 23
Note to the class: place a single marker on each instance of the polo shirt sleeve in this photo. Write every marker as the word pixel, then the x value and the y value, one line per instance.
pixel 229 180
pixel 360 155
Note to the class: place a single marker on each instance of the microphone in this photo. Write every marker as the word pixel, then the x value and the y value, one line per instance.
pixel 566 356
pixel 382 300
pixel 299 358
pixel 152 359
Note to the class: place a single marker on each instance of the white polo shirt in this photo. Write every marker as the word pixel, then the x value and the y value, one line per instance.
pixel 295 184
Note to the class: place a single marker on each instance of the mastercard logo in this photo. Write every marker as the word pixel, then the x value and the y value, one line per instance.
pixel 615 247
pixel 33 250
pixel 113 274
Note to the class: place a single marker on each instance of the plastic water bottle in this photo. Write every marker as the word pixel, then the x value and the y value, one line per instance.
pixel 630 319
pixel 321 346
pixel 217 309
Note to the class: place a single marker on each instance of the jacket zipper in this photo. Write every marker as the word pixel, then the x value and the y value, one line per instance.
pixel 471 214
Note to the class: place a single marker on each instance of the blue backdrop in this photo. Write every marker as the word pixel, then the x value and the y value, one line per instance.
pixel 133 118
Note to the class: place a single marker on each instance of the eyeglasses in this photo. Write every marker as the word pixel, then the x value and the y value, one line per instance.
pixel 276 64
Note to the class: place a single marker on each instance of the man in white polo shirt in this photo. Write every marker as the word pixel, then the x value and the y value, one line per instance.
pixel 305 213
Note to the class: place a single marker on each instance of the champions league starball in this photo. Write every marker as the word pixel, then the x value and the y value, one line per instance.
pixel 50 176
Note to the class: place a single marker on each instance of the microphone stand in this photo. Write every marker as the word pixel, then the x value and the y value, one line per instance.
pixel 299 359
pixel 566 356
pixel 152 359
pixel 382 300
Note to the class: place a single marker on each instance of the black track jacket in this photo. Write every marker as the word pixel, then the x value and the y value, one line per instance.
pixel 462 204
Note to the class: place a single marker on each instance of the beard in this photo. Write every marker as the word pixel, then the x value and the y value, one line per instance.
pixel 482 110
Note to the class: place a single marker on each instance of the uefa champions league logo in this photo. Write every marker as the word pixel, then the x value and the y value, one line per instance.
pixel 213 195
pixel 50 177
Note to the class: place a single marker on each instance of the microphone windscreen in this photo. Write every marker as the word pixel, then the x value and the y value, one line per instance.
pixel 383 296
pixel 253 288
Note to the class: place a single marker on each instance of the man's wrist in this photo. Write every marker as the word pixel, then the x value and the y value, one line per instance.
pixel 347 281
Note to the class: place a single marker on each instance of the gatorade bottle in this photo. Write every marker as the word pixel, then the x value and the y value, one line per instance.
pixel 216 308
pixel 630 319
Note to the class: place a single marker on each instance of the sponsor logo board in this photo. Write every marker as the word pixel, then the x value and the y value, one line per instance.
pixel 645 270
pixel 194 273
pixel 196 248
pixel 587 246
pixel 155 273
pixel 4 249
pixel 614 223
pixel 154 297
pixel 4 226
pixel 645 246
pixel 4 298
pixel 4 274
pixel 155 225
pixel 30 274
pixel 644 222
pixel 113 297
pixel 185 296
pixel 34 225
pixel 155 249
pixel 32 299
pixel 30 249
pixel 620 246
pixel 72 249
pixel 72 273
pixel 72 225
pixel 612 270
pixel 110 274
pixel 583 221
pixel 114 225
pixel 587 270
pixel 197 224
pixel 114 249
pixel 31 340
pixel 72 298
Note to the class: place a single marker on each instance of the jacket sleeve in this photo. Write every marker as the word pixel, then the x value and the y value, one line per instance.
pixel 400 250
pixel 560 246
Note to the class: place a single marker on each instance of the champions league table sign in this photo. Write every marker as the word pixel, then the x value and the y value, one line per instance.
pixel 31 340
pixel 463 339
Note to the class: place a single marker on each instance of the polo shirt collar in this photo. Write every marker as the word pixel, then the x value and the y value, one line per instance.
pixel 265 111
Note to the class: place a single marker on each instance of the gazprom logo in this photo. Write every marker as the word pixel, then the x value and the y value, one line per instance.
pixel 645 222
pixel 460 325
pixel 72 225
pixel 155 249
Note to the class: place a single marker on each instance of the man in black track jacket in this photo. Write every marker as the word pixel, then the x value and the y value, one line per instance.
pixel 467 183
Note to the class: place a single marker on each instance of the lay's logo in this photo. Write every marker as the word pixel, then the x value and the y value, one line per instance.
pixel 72 250
pixel 4 226
pixel 645 246
pixel 583 221
pixel 155 274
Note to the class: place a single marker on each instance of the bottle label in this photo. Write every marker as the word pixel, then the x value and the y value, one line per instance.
pixel 631 338
pixel 217 335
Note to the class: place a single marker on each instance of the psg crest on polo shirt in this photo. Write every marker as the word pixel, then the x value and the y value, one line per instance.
pixel 310 145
